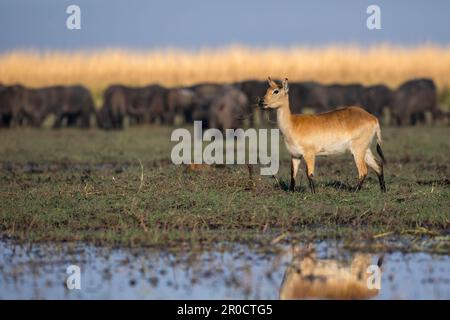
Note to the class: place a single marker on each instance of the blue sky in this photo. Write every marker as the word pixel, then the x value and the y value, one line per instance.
pixel 139 24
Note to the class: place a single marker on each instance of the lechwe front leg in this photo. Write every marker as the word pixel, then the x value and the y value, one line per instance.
pixel 295 162
pixel 310 159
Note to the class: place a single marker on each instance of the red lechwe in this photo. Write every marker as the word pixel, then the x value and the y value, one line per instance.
pixel 308 277
pixel 334 132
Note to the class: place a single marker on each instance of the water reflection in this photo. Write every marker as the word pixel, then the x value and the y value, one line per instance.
pixel 230 271
pixel 310 277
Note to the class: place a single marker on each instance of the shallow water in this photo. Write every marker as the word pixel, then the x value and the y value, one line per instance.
pixel 227 272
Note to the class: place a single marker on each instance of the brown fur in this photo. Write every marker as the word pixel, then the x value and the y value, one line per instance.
pixel 344 129
pixel 310 278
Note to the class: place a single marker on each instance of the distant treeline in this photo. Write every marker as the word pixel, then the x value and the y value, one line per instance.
pixel 221 106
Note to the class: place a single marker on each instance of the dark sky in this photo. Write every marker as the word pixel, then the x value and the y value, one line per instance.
pixel 140 24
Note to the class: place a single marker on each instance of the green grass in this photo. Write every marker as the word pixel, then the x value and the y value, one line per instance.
pixel 69 185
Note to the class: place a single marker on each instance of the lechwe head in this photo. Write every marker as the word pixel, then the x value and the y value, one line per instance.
pixel 307 136
pixel 276 95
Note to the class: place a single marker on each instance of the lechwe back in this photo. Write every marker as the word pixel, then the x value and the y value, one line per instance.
pixel 334 132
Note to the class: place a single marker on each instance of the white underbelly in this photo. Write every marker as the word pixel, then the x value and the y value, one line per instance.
pixel 294 149
pixel 330 148
pixel 334 148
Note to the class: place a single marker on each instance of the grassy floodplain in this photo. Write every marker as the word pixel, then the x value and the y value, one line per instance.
pixel 121 188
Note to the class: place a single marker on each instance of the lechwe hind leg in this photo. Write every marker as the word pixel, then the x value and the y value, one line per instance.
pixel 377 166
pixel 362 168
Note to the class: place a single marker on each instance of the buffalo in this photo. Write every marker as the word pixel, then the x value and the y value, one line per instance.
pixel 74 104
pixel 216 105
pixel 227 110
pixel 340 95
pixel 151 106
pixel 305 95
pixel 181 101
pixel 204 95
pixel 412 100
pixel 116 99
pixel 11 105
pixel 253 89
pixel 31 106
pixel 35 107
pixel 377 98
pixel 141 105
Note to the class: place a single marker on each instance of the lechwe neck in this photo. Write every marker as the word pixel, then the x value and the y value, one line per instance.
pixel 284 118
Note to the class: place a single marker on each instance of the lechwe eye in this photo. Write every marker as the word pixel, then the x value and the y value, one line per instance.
pixel 276 91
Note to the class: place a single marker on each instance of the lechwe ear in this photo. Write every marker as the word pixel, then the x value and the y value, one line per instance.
pixel 286 85
pixel 271 82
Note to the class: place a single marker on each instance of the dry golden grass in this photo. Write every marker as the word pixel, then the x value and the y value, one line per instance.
pixel 172 67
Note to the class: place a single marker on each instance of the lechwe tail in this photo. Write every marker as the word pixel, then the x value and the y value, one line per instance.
pixel 379 141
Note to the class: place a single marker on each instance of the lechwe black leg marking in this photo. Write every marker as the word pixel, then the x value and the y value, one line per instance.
pixel 295 162
pixel 377 166
pixel 361 165
pixel 381 179
pixel 360 183
pixel 250 171
pixel 312 186
pixel 381 164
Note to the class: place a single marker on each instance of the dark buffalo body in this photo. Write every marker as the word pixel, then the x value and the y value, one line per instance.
pixel 254 90
pixel 216 105
pixel 35 107
pixel 376 98
pixel 11 105
pixel 140 104
pixel 73 104
pixel 181 101
pixel 341 95
pixel 228 109
pixel 151 106
pixel 413 99
pixel 29 106
pixel 304 95
pixel 116 99
pixel 204 96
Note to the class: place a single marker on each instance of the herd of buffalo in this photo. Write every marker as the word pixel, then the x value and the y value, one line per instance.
pixel 219 106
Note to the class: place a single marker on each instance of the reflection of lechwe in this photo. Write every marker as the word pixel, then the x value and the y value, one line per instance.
pixel 334 132
pixel 310 278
